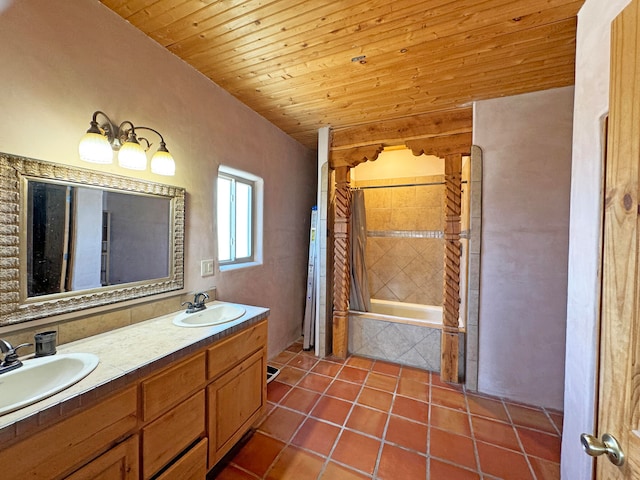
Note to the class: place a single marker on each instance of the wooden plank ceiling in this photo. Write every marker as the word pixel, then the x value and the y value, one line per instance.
pixel 304 64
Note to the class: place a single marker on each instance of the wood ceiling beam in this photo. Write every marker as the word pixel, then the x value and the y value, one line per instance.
pixel 442 146
pixel 354 156
pixel 396 132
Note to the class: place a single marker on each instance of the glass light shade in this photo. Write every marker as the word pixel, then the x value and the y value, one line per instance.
pixel 132 156
pixel 162 163
pixel 95 148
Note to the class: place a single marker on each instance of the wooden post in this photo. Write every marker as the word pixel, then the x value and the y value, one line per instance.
pixel 452 251
pixel 341 275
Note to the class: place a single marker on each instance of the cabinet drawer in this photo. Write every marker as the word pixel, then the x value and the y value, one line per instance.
pixel 167 388
pixel 60 449
pixel 173 432
pixel 230 351
pixel 191 466
pixel 119 463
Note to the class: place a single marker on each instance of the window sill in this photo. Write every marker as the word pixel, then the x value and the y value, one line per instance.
pixel 238 266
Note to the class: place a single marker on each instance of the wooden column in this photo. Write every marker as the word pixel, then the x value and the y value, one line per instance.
pixel 452 250
pixel 341 276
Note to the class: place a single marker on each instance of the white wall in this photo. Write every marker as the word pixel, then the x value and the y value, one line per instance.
pixel 583 292
pixel 87 239
pixel 526 144
pixel 63 60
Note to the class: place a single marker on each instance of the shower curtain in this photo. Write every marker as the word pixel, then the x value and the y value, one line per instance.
pixel 359 297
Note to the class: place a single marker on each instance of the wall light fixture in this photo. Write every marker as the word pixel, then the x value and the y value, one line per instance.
pixel 101 140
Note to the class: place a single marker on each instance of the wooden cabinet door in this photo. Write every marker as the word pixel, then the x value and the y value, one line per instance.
pixel 235 402
pixel 119 463
pixel 191 466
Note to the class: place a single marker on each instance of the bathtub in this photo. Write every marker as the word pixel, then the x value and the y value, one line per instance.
pixel 408 313
pixel 404 333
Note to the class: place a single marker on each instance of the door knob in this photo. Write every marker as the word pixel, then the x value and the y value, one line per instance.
pixel 609 445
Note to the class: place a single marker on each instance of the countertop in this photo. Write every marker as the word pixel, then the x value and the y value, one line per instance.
pixel 126 355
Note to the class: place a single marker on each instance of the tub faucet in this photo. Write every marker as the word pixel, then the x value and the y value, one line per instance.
pixel 198 302
pixel 10 360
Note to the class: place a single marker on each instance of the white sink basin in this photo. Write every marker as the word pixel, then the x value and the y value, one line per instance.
pixel 39 378
pixel 212 315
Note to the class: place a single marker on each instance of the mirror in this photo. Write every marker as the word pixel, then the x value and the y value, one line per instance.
pixel 72 239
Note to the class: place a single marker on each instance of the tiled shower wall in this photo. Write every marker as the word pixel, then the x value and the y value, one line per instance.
pixel 405 269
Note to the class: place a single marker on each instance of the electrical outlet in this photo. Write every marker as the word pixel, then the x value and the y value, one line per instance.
pixel 206 268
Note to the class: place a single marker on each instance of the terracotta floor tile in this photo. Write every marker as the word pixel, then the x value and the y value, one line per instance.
pixel 333 359
pixel 290 375
pixel 452 448
pixel 344 390
pixel 502 463
pixel 396 463
pixel 448 398
pixel 544 469
pixel 329 369
pixel 303 362
pixel 443 471
pixel 258 453
pixel 415 374
pixel 231 472
pixel 530 417
pixel 540 444
pixel 294 347
pixel 487 407
pixel 276 390
pixel 413 389
pixel 407 434
pixel 317 436
pixel 357 451
pixel 360 362
pixel 300 399
pixel 367 420
pixel 557 419
pixel 317 383
pixel 282 423
pixel 333 471
pixel 437 382
pixel 295 464
pixel 379 381
pixel 352 374
pixel 376 399
pixel 495 433
pixel 451 420
pixel 283 357
pixel 411 409
pixel 332 410
pixel 387 368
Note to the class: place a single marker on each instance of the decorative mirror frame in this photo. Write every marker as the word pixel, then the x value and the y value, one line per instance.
pixel 14 170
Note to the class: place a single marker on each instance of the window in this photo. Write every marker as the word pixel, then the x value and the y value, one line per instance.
pixel 239 215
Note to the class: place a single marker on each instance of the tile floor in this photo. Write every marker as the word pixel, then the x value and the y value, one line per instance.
pixel 332 419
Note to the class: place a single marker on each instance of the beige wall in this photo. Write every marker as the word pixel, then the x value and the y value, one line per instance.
pixel 526 143
pixel 63 60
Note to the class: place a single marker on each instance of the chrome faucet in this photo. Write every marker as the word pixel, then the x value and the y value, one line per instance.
pixel 10 360
pixel 198 303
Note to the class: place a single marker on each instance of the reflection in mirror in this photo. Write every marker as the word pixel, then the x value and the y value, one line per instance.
pixel 83 238
pixel 72 239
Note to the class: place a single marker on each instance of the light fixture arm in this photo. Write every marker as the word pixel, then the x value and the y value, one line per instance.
pixel 163 146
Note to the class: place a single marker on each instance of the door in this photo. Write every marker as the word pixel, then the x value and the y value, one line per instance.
pixel 619 386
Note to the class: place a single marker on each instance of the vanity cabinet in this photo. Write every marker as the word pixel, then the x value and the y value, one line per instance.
pixel 174 424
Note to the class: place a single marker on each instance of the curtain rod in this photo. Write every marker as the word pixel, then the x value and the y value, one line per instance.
pixel 366 187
